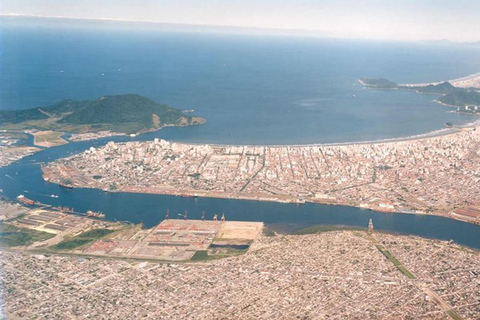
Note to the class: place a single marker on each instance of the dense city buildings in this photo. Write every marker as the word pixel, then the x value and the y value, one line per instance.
pixel 431 175
pixel 336 275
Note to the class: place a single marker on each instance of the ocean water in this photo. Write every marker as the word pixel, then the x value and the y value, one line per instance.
pixel 251 89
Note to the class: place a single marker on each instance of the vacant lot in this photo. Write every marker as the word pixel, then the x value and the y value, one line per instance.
pixel 48 139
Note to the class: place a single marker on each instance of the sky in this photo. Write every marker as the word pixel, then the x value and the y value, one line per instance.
pixel 455 20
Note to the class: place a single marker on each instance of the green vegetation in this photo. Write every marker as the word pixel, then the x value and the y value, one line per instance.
pixel 11 236
pixel 202 255
pixel 441 88
pixel 454 315
pixel 451 95
pixel 461 98
pixel 322 228
pixel 217 253
pixel 269 233
pixel 82 239
pixel 127 113
pixel 51 138
pixel 385 167
pixel 393 260
pixel 70 244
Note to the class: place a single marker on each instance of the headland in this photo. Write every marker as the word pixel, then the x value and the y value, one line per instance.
pixel 466 99
pixel 107 116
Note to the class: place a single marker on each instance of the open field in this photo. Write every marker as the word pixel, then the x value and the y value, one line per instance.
pixel 65 231
pixel 81 239
pixel 12 236
pixel 48 138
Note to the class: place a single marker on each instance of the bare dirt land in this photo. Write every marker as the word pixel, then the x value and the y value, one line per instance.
pixel 48 138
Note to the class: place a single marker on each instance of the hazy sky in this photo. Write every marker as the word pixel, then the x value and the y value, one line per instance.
pixel 457 20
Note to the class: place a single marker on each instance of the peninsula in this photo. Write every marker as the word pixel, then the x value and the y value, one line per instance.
pixel 437 175
pixel 465 98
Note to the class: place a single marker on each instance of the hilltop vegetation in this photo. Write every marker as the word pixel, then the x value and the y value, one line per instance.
pixel 441 88
pixel 450 94
pixel 461 98
pixel 127 113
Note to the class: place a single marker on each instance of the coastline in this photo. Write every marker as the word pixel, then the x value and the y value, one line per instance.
pixel 470 81
pixel 293 199
pixel 420 136
pixel 407 207
pixel 267 198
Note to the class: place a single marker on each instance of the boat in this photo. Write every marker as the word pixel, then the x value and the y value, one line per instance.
pixel 25 200
pixel 53 196
pixel 95 214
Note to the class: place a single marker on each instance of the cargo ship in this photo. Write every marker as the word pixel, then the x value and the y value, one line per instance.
pixel 95 214
pixel 25 200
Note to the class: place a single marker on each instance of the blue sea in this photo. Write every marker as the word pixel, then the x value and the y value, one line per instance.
pixel 251 89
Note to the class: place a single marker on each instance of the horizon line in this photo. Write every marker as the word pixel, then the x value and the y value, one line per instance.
pixel 271 31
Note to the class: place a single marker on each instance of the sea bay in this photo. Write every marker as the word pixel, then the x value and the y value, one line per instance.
pixel 251 89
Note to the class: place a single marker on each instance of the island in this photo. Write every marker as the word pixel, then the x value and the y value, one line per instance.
pixel 465 98
pixel 128 113
pixel 86 119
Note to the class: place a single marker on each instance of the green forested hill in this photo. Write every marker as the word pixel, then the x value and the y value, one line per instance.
pixel 127 113
pixel 441 88
pixel 450 94
pixel 461 98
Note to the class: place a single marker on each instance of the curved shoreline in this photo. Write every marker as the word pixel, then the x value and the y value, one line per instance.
pixel 473 76
pixel 378 192
pixel 420 136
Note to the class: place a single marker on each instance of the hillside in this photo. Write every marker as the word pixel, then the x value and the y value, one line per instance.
pixel 127 113
pixel 441 88
pixel 461 98
pixel 450 94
